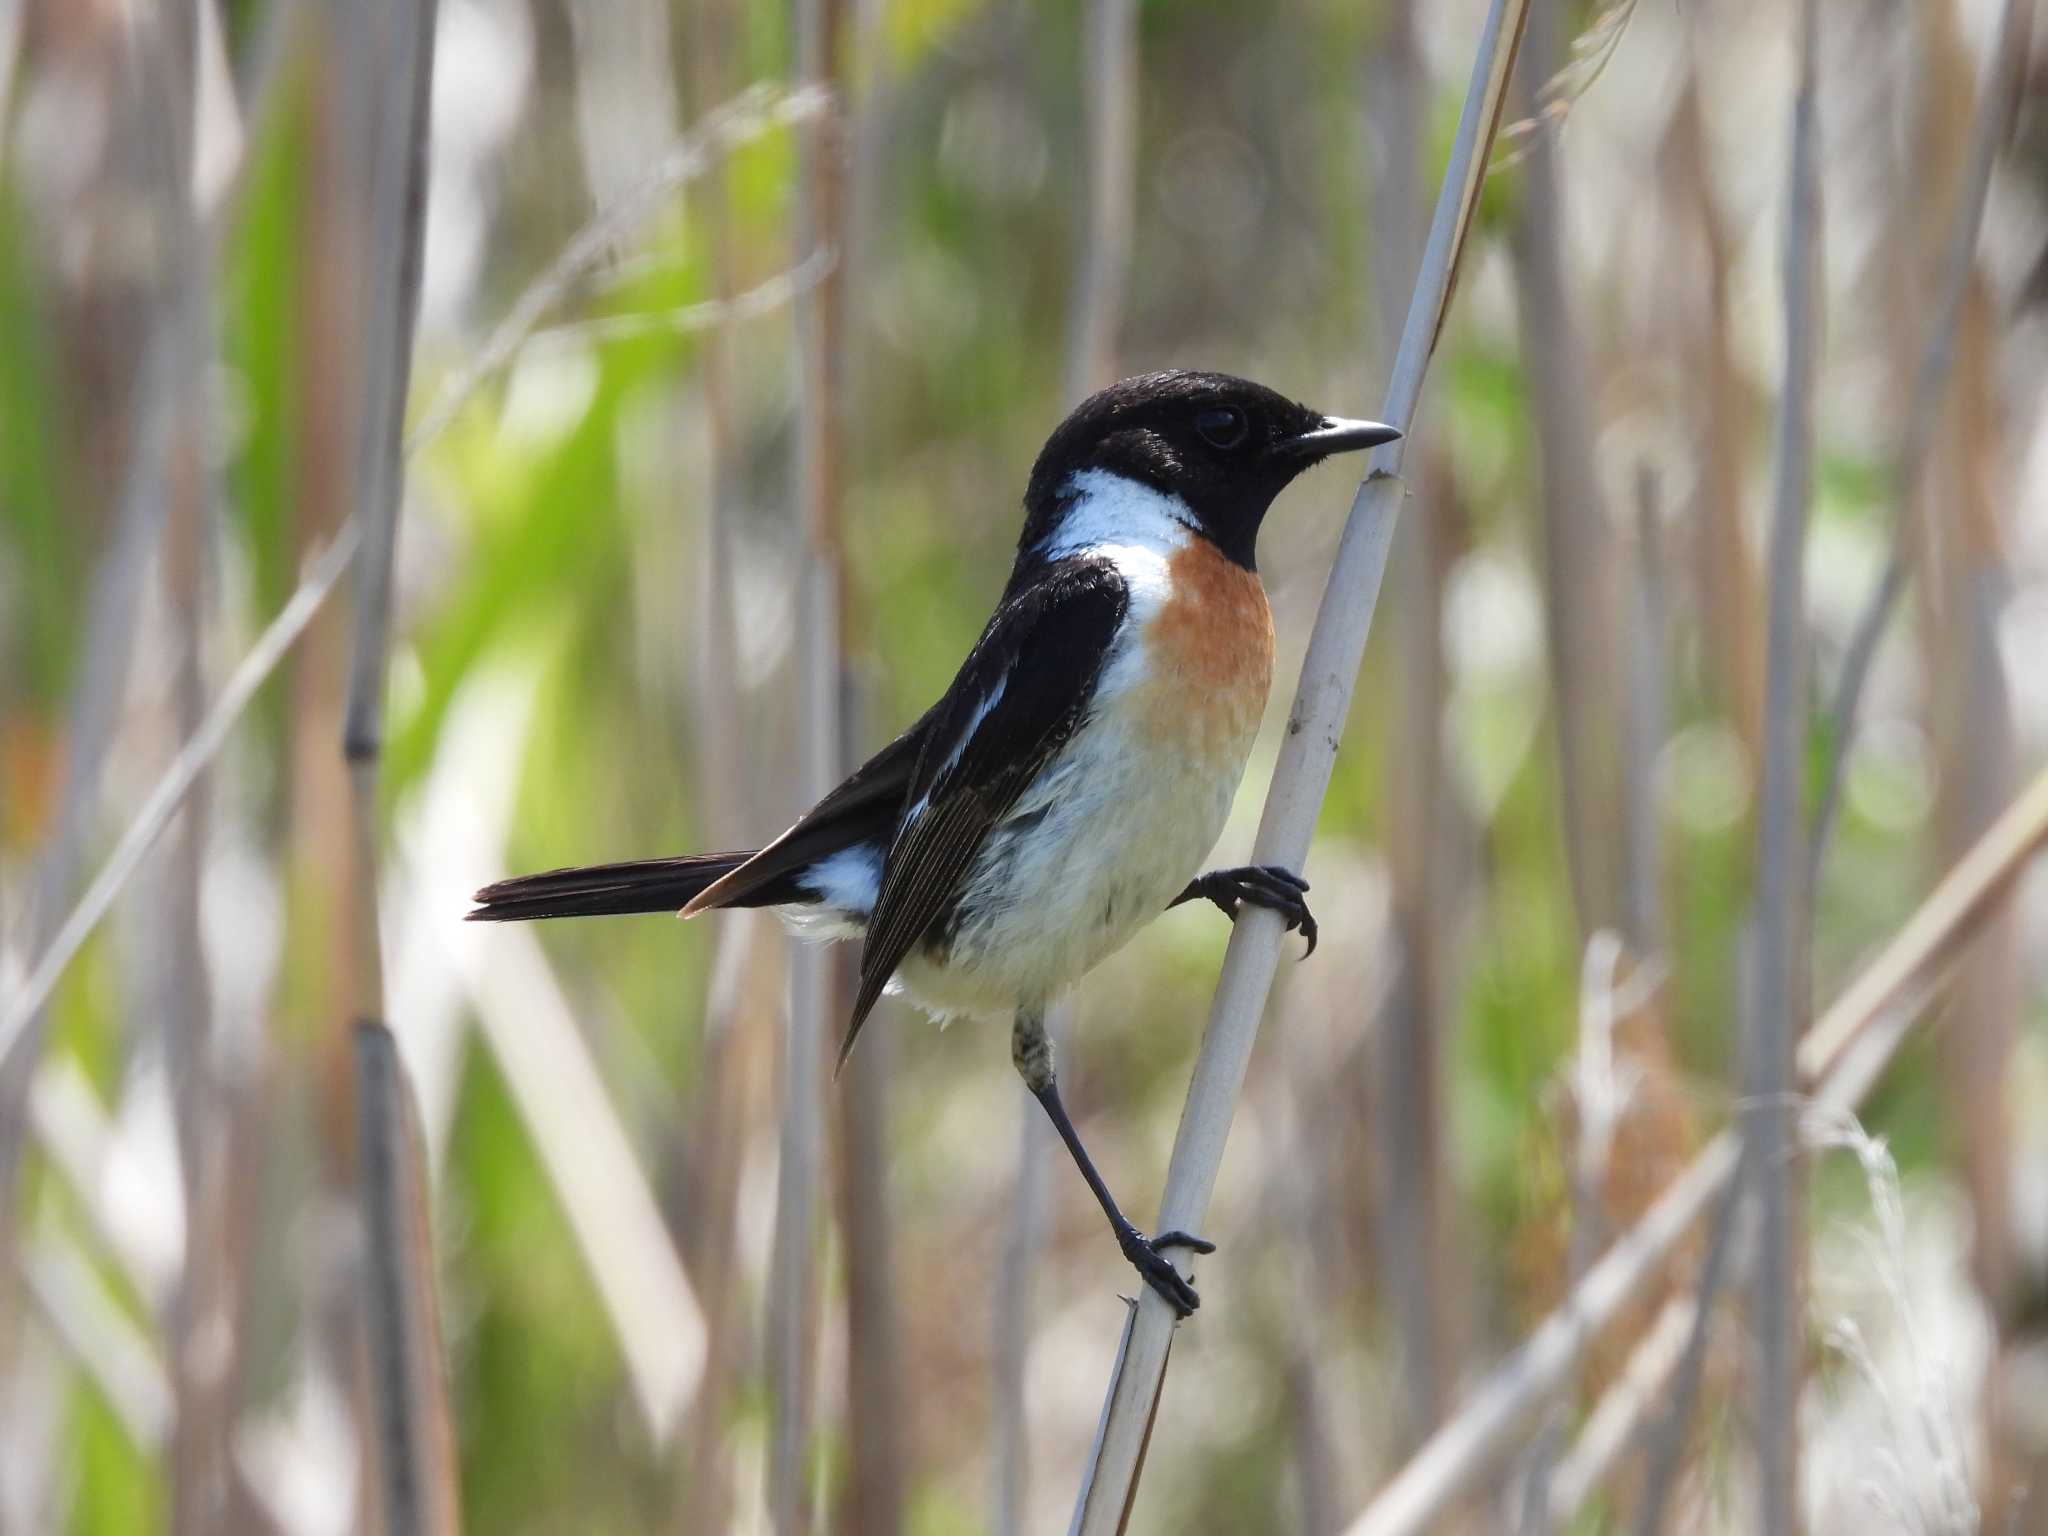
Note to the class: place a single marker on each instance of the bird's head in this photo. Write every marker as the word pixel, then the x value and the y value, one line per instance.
pixel 1222 447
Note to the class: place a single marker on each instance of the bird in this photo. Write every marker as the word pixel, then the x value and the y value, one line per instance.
pixel 1071 782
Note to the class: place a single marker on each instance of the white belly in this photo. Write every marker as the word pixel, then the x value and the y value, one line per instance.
pixel 1095 849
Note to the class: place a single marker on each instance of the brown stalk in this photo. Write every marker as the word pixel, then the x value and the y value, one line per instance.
pixel 877 1487
pixel 1405 1062
pixel 1645 644
pixel 1996 104
pixel 1712 396
pixel 389 62
pixel 1578 563
pixel 1972 717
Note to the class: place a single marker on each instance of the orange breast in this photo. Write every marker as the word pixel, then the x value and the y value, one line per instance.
pixel 1210 646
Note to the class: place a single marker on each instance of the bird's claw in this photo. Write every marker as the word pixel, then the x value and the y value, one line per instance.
pixel 1147 1256
pixel 1264 885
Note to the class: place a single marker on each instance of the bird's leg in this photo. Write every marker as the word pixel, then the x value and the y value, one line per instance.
pixel 1031 1050
pixel 1263 885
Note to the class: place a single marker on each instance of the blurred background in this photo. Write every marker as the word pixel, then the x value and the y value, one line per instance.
pixel 726 503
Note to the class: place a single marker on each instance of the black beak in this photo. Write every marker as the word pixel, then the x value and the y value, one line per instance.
pixel 1340 434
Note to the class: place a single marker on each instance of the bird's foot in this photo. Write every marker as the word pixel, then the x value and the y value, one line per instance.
pixel 1148 1257
pixel 1263 885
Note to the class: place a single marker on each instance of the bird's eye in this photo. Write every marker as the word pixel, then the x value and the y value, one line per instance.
pixel 1224 427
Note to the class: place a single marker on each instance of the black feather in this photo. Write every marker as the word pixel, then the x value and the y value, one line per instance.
pixel 1044 649
pixel 641 885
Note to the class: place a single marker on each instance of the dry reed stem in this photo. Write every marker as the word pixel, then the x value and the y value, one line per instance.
pixel 1778 1001
pixel 875 1490
pixel 412 1455
pixel 170 358
pixel 413 1448
pixel 1645 644
pixel 711 1152
pixel 1997 102
pixel 1578 561
pixel 1840 1059
pixel 1307 756
pixel 814 993
pixel 168 795
pixel 879 1379
pixel 1924 407
pixel 1404 1064
pixel 1109 57
pixel 723 129
pixel 1700 251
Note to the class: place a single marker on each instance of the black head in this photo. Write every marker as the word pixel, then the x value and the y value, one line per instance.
pixel 1225 446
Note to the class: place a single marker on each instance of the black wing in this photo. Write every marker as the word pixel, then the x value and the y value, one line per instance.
pixel 865 808
pixel 1018 699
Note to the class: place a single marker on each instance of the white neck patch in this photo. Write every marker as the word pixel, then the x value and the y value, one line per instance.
pixel 1105 510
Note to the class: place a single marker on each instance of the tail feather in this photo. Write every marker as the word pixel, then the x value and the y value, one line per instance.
pixel 641 885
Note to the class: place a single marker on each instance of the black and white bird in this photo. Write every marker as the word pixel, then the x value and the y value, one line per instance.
pixel 1070 783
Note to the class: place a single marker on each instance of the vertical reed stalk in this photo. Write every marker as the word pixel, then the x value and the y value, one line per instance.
pixel 1778 1002
pixel 1965 528
pixel 1645 644
pixel 1578 575
pixel 1307 757
pixel 413 1453
pixel 203 1379
pixel 412 1450
pixel 1996 104
pixel 1110 101
pixel 814 1010
pixel 711 1150
pixel 877 1485
pixel 1701 252
pixel 1405 1061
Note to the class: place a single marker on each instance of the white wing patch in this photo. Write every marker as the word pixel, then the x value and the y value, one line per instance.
pixel 844 888
pixel 981 713
pixel 1137 530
